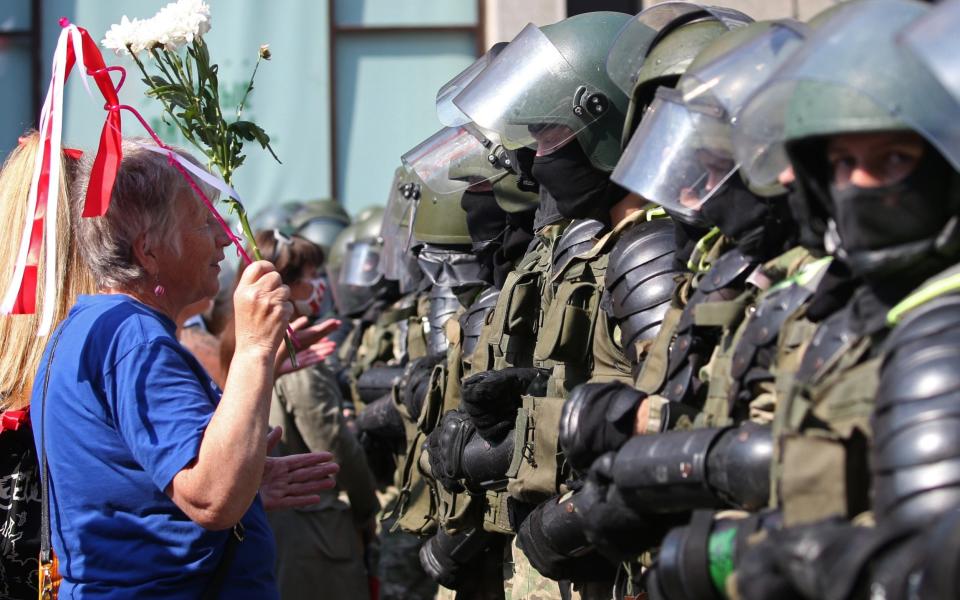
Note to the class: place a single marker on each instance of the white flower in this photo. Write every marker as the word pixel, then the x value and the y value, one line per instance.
pixel 176 24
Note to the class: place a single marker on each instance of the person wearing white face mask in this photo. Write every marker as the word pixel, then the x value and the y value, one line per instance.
pixel 321 546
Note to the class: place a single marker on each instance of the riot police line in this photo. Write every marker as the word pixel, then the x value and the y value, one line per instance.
pixel 668 307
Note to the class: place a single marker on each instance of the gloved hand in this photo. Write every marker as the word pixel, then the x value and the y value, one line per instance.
pixel 552 539
pixel 803 562
pixel 492 398
pixel 445 446
pixel 617 530
pixel 597 418
pixel 415 382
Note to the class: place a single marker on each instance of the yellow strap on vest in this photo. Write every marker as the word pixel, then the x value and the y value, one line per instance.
pixel 920 297
pixel 696 262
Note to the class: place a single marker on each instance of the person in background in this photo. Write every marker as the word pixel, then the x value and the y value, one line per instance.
pixel 321 546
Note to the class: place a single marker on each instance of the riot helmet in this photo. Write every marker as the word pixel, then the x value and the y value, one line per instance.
pixel 681 155
pixel 320 221
pixel 353 264
pixel 852 81
pixel 655 47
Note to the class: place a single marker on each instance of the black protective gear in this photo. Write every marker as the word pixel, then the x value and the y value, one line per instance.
pixel 579 237
pixel 581 190
pixel 695 559
pixel 445 447
pixel 597 418
pixel 916 449
pixel 615 526
pixel 640 280
pixel 376 382
pixel 492 398
pixel 416 381
pixel 823 560
pixel 553 540
pixel 701 468
pixel 693 344
pixel 447 558
pixel 381 420
pixel 460 459
pixel 473 319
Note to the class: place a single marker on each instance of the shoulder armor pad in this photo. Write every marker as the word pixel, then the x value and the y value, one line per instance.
pixel 831 338
pixel 772 311
pixel 473 319
pixel 443 305
pixel 641 278
pixel 578 238
pixel 916 454
pixel 727 270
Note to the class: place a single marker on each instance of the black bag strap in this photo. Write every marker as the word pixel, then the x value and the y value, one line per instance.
pixel 45 552
pixel 233 539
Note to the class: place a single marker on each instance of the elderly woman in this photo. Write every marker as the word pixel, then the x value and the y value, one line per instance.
pixel 154 472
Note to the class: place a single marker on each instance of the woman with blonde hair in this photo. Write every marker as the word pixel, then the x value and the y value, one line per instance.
pixel 22 348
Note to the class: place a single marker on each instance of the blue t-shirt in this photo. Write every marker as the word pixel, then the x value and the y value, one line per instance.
pixel 128 406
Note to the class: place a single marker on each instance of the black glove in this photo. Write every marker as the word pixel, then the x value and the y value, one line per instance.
pixel 492 398
pixel 817 561
pixel 596 419
pixel 552 539
pixel 415 382
pixel 445 446
pixel 617 530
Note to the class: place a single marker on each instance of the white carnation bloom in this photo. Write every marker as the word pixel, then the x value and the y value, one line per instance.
pixel 176 24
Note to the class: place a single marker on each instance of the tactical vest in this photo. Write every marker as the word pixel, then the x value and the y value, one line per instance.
pixel 695 327
pixel 822 424
pixel 509 333
pixel 741 372
pixel 573 336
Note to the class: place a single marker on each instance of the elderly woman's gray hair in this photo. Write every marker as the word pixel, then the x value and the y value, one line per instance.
pixel 142 202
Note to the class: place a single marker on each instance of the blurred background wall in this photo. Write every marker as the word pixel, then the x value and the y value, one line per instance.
pixel 349 89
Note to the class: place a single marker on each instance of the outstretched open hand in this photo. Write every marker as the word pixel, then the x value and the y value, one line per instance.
pixel 312 345
pixel 294 481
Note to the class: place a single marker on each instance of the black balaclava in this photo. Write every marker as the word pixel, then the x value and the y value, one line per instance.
pixel 685 237
pixel 910 210
pixel 547 212
pixel 487 224
pixel 582 191
pixel 516 241
pixel 760 227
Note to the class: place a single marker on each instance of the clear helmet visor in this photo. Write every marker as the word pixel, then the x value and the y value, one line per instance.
pixel 450 161
pixel 348 299
pixel 850 76
pixel 637 37
pixel 679 156
pixel 447 111
pixel 731 78
pixel 934 41
pixel 361 263
pixel 529 89
pixel 396 231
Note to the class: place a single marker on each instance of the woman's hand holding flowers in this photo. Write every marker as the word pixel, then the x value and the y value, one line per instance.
pixel 262 308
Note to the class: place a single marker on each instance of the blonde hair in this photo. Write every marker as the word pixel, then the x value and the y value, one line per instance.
pixel 22 347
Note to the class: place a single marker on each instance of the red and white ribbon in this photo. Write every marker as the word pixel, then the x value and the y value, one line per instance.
pixel 39 233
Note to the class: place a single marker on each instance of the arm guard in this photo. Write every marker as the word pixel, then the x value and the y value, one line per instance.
pixel 677 471
pixel 916 451
pixel 377 382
